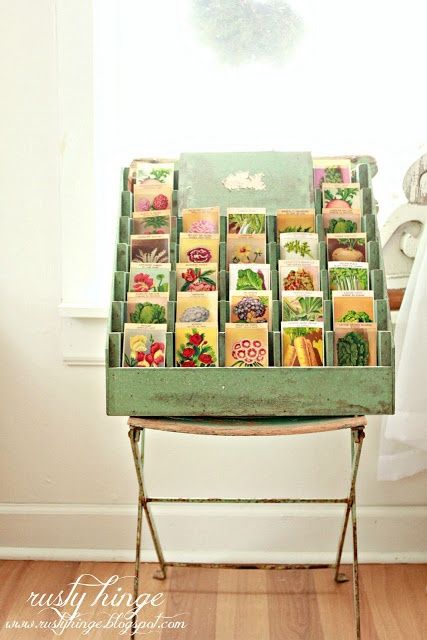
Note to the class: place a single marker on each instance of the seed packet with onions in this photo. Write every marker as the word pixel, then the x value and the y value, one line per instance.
pixel 190 277
pixel 299 275
pixel 346 247
pixel 148 222
pixel 341 221
pixel 199 248
pixel 353 306
pixel 244 249
pixel 246 345
pixel 202 220
pixel 197 306
pixel 196 345
pixel 254 277
pixel 350 276
pixel 144 345
pixel 144 277
pixel 245 221
pixel 302 344
pixel 341 195
pixel 251 307
pixel 295 221
pixel 355 345
pixel 297 246
pixel 302 306
pixel 331 170
pixel 147 308
pixel 152 198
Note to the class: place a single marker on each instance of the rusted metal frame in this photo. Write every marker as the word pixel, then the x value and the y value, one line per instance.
pixel 356 446
pixel 253 500
pixel 257 565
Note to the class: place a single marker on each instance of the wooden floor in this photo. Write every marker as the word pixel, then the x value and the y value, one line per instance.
pixel 219 604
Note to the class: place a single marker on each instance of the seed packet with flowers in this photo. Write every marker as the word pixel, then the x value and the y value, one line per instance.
pixel 197 306
pixel 150 248
pixel 243 249
pixel 189 277
pixel 294 246
pixel 353 306
pixel 202 220
pixel 351 276
pixel 297 275
pixel 355 345
pixel 295 221
pixel 152 198
pixel 341 220
pixel 144 345
pixel 246 345
pixel 147 308
pixel 341 195
pixel 196 346
pixel 199 247
pixel 331 170
pixel 245 220
pixel 302 344
pixel 148 222
pixel 346 247
pixel 149 277
pixel 302 306
pixel 253 277
pixel 251 307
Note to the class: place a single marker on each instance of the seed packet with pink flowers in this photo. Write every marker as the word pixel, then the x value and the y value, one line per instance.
pixel 251 306
pixel 149 277
pixel 197 306
pixel 196 345
pixel 254 277
pixel 150 248
pixel 246 345
pixel 190 277
pixel 245 220
pixel 199 247
pixel 243 249
pixel 147 308
pixel 331 170
pixel 202 220
pixel 144 345
pixel 341 195
pixel 148 222
pixel 152 198
pixel 299 275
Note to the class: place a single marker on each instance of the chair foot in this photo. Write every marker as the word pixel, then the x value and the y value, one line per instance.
pixel 341 577
pixel 160 574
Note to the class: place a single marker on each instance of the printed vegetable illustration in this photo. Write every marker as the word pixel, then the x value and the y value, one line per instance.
pixel 250 280
pixel 297 229
pixel 355 316
pixel 195 314
pixel 251 309
pixel 340 225
pixel 145 352
pixel 332 174
pixel 159 224
pixel 246 223
pixel 352 350
pixel 202 226
pixel 155 176
pixel 199 254
pixel 198 280
pixel 156 255
pixel 248 353
pixel 303 347
pixel 148 313
pixel 341 199
pixel 348 252
pixel 297 280
pixel 348 278
pixel 303 249
pixel 195 352
pixel 310 309
pixel 143 282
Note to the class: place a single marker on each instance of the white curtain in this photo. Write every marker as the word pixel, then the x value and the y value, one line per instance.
pixel 403 449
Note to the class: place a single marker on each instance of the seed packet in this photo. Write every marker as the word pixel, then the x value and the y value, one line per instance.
pixel 346 247
pixel 348 275
pixel 202 220
pixel 299 275
pixel 148 222
pixel 152 198
pixel 295 221
pixel 355 345
pixel 341 220
pixel 353 306
pixel 144 345
pixel 302 344
pixel 306 306
pixel 331 170
pixel 199 247
pixel 149 277
pixel 253 277
pixel 297 246
pixel 197 306
pixel 246 248
pixel 147 308
pixel 341 195
pixel 190 277
pixel 246 345
pixel 251 306
pixel 150 248
pixel 163 177
pixel 196 346
pixel 245 221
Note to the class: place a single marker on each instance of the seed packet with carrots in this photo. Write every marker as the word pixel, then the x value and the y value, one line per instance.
pixel 302 344
pixel 199 248
pixel 152 198
pixel 246 345
pixel 202 220
pixel 346 247
pixel 294 246
pixel 190 277
pixel 355 345
pixel 295 221
pixel 144 345
pixel 150 248
pixel 341 220
pixel 243 249
pixel 197 306
pixel 148 222
pixel 254 277
pixel 353 306
pixel 299 275
pixel 245 221
pixel 341 195
pixel 145 277
pixel 331 170
pixel 196 345
pixel 147 308
pixel 251 307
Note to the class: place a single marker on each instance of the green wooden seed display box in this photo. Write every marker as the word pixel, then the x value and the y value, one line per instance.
pixel 272 391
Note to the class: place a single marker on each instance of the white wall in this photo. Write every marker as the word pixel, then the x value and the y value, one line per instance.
pixel 67 483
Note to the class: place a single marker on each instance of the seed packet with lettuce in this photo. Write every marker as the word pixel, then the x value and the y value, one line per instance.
pixel 294 246
pixel 295 221
pixel 199 247
pixel 341 195
pixel 147 308
pixel 341 220
pixel 346 247
pixel 196 345
pixel 349 276
pixel 245 220
pixel 144 345
pixel 246 345
pixel 355 345
pixel 299 275
pixel 331 170
pixel 253 277
pixel 300 306
pixel 201 220
pixel 197 306
pixel 353 306
pixel 302 344
pixel 250 306
pixel 149 277
pixel 190 277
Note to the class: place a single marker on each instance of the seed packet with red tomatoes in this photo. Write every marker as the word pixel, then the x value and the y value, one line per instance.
pixel 246 345
pixel 190 277
pixel 196 345
pixel 144 345
pixel 199 248
pixel 144 278
pixel 341 195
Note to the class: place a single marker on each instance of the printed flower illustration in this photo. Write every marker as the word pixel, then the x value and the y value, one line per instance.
pixel 142 282
pixel 249 353
pixel 198 280
pixel 202 226
pixel 196 352
pixel 160 202
pixel 199 254
pixel 145 352
pixel 143 204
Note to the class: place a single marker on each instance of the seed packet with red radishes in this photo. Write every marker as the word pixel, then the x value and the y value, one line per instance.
pixel 149 277
pixel 197 307
pixel 294 246
pixel 346 247
pixel 248 306
pixel 150 248
pixel 331 170
pixel 190 277
pixel 199 247
pixel 246 345
pixel 299 275
pixel 341 220
pixel 196 345
pixel 202 220
pixel 295 221
pixel 147 308
pixel 148 222
pixel 152 198
pixel 144 345
pixel 245 220
pixel 243 249
pixel 341 195
pixel 253 277
pixel 302 344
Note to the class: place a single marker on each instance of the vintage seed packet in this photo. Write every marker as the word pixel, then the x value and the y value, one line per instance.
pixel 295 221
pixel 297 246
pixel 245 221
pixel 197 306
pixel 202 220
pixel 306 306
pixel 189 277
pixel 147 308
pixel 331 170
pixel 344 195
pixel 246 345
pixel 299 275
pixel 348 275
pixel 154 173
pixel 353 306
pixel 148 222
pixel 150 248
pixel 355 345
pixel 149 277
pixel 243 249
pixel 196 345
pixel 152 197
pixel 144 345
pixel 253 277
pixel 341 220
pixel 199 247
pixel 346 247
pixel 251 306
pixel 302 344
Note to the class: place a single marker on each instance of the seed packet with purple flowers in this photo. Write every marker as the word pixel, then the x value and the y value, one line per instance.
pixel 196 345
pixel 148 222
pixel 202 220
pixel 190 277
pixel 246 345
pixel 245 249
pixel 251 306
pixel 152 198
pixel 150 248
pixel 245 221
pixel 144 345
pixel 197 307
pixel 199 248
pixel 253 277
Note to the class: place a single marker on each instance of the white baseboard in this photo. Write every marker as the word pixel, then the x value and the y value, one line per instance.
pixel 211 533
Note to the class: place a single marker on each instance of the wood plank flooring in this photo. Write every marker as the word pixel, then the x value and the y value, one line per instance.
pixel 214 604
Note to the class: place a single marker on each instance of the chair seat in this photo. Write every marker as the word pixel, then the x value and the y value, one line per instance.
pixel 248 426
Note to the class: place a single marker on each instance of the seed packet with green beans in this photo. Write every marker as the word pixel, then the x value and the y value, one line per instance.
pixel 351 276
pixel 355 345
pixel 294 246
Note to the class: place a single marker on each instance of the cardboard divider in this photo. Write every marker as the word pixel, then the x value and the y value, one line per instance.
pixel 363 177
pixel 273 252
pixel 221 349
pixel 373 254
pixel 121 279
pixel 270 229
pixel 366 201
pixel 382 311
pixel 117 316
pixel 127 203
pixel 114 349
pixel 274 277
pixel 369 226
pixel 323 256
pixel 384 349
pixel 324 284
pixel 223 279
pixel 175 201
pixel 172 285
pixel 319 227
pixel 125 177
pixel 277 349
pixel 222 263
pixel 329 348
pixel 170 352
pixel 222 228
pixel 171 310
pixel 327 314
pixel 224 313
pixel 276 315
pixel 377 284
pixel 125 229
pixel 122 257
pixel 178 226
pixel 318 202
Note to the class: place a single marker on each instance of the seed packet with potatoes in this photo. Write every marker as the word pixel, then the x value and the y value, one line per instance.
pixel 246 345
pixel 148 222
pixel 295 221
pixel 144 345
pixel 353 306
pixel 297 246
pixel 297 275
pixel 199 248
pixel 197 306
pixel 144 277
pixel 196 346
pixel 253 277
pixel 300 306
pixel 150 248
pixel 152 198
pixel 245 221
pixel 201 220
pixel 341 220
pixel 302 344
pixel 147 308
pixel 251 307
pixel 331 170
pixel 341 195
pixel 351 276
pixel 190 277
pixel 346 247
pixel 355 345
